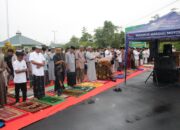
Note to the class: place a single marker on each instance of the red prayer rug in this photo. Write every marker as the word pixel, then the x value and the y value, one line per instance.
pixel 9 113
pixel 32 106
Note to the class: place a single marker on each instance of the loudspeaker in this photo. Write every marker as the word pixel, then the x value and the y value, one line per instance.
pixel 167 49
pixel 165 68
pixel 165 62
pixel 154 47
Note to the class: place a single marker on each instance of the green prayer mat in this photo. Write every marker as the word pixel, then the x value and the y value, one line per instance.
pixel 51 100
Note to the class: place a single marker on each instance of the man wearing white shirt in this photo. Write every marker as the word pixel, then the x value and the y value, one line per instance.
pixel 136 57
pixel 108 53
pixel 38 61
pixel 20 80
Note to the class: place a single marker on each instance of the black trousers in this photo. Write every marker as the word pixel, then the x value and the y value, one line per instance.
pixel 23 88
pixel 38 86
pixel 71 78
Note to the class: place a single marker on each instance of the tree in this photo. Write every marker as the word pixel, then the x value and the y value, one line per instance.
pixel 74 41
pixel 105 36
pixel 99 38
pixel 85 35
pixel 7 45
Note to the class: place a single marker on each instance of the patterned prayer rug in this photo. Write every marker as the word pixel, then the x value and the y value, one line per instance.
pixel 9 113
pixel 32 106
pixel 10 101
pixel 85 89
pixel 54 94
pixel 90 84
pixel 72 92
pixel 51 100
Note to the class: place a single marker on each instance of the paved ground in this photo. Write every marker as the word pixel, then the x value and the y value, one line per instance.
pixel 135 108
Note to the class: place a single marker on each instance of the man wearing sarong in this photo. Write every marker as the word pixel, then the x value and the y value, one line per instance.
pixel 38 62
pixel 2 81
pixel 91 70
pixel 59 62
pixel 80 63
pixel 70 64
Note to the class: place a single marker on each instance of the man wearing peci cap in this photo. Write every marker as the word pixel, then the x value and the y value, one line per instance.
pixel 38 61
pixel 20 80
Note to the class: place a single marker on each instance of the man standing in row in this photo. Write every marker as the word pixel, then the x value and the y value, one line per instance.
pixel 71 67
pixel 91 72
pixel 38 61
pixel 51 64
pixel 20 80
pixel 80 63
pixel 59 62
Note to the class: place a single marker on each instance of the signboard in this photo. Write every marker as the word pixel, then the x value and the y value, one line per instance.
pixel 135 44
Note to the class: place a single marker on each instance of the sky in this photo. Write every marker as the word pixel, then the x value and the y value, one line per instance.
pixel 37 19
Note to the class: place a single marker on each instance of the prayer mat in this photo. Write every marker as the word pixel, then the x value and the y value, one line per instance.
pixel 74 93
pixel 140 69
pixel 51 100
pixel 148 65
pixel 9 113
pixel 10 101
pixel 85 89
pixel 102 81
pixel 10 95
pixel 54 94
pixel 32 106
pixel 119 76
pixel 90 84
pixel 64 96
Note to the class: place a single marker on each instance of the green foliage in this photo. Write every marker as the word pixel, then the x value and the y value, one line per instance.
pixel 74 41
pixel 85 36
pixel 105 36
pixel 175 44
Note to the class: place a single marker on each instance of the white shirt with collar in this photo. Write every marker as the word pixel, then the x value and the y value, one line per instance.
pixel 19 77
pixel 136 54
pixel 37 57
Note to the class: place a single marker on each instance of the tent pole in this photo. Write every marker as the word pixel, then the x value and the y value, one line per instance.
pixel 125 57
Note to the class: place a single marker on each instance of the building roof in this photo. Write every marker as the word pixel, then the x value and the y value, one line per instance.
pixel 20 40
pixel 55 45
